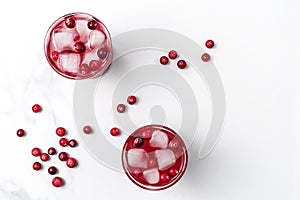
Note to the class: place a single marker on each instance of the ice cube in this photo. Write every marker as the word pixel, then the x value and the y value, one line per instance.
pixel 137 158
pixel 69 62
pixel 159 139
pixel 165 158
pixel 82 30
pixel 151 176
pixel 63 40
pixel 96 38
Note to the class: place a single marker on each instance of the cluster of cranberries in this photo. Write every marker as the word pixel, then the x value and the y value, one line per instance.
pixel 181 64
pixel 209 44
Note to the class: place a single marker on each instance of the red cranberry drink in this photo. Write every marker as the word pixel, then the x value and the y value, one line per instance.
pixel 154 157
pixel 78 46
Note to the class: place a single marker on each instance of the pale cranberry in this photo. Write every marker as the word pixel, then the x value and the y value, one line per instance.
pixel 36 108
pixel 205 57
pixel 51 151
pixel 44 157
pixel 36 152
pixel 102 53
pixel 52 170
pixel 79 47
pixel 131 100
pixel 87 129
pixel 36 166
pixel 72 143
pixel 57 182
pixel 115 131
pixel 63 142
pixel 63 156
pixel 209 44
pixel 71 162
pixel 173 172
pixel 54 55
pixel 138 142
pixel 121 108
pixel 20 133
pixel 84 69
pixel 164 60
pixel 181 64
pixel 173 144
pixel 94 65
pixel 70 22
pixel 146 134
pixel 152 163
pixel 92 24
pixel 60 131
pixel 172 54
pixel 137 172
pixel 164 177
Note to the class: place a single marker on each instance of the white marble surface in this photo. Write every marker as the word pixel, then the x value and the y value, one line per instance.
pixel 257 55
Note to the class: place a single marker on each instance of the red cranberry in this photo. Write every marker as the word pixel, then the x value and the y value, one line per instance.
pixel 54 55
pixel 121 108
pixel 205 57
pixel 71 162
pixel 52 170
pixel 173 144
pixel 72 143
pixel 95 65
pixel 102 53
pixel 63 156
pixel 92 24
pixel 79 47
pixel 164 177
pixel 146 134
pixel 57 182
pixel 87 129
pixel 84 69
pixel 173 172
pixel 209 44
pixel 51 151
pixel 137 172
pixel 131 100
pixel 44 157
pixel 20 133
pixel 36 152
pixel 172 54
pixel 70 22
pixel 36 108
pixel 164 60
pixel 152 163
pixel 115 131
pixel 138 142
pixel 181 64
pixel 37 166
pixel 60 131
pixel 63 142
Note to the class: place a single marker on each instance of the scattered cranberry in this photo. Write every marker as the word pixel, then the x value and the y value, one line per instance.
pixel 36 108
pixel 57 182
pixel 205 57
pixel 209 44
pixel 63 156
pixel 44 157
pixel 54 55
pixel 173 172
pixel 102 53
pixel 36 152
pixel 72 143
pixel 137 172
pixel 173 144
pixel 71 162
pixel 70 22
pixel 164 177
pixel 164 60
pixel 20 133
pixel 52 170
pixel 87 129
pixel 37 166
pixel 131 100
pixel 94 65
pixel 115 131
pixel 152 163
pixel 92 24
pixel 84 69
pixel 79 47
pixel 146 134
pixel 63 142
pixel 60 131
pixel 121 108
pixel 51 151
pixel 181 64
pixel 172 54
pixel 138 142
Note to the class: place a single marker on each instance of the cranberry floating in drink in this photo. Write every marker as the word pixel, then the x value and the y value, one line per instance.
pixel 154 162
pixel 78 46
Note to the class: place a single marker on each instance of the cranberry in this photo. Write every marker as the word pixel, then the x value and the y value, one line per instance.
pixel 137 172
pixel 20 133
pixel 87 129
pixel 172 54
pixel 36 108
pixel 152 163
pixel 173 144
pixel 121 108
pixel 102 53
pixel 173 172
pixel 94 65
pixel 70 22
pixel 164 177
pixel 54 55
pixel 146 134
pixel 44 157
pixel 209 44
pixel 72 143
pixel 71 162
pixel 115 131
pixel 63 142
pixel 205 57
pixel 37 166
pixel 51 151
pixel 63 156
pixel 36 152
pixel 57 182
pixel 138 142
pixel 84 69
pixel 131 100
pixel 60 131
pixel 181 64
pixel 92 24
pixel 52 170
pixel 164 60
pixel 79 47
